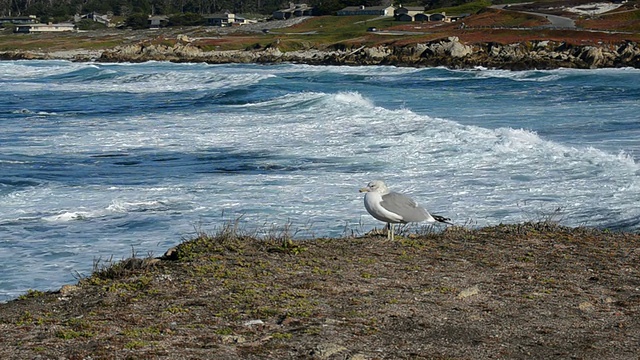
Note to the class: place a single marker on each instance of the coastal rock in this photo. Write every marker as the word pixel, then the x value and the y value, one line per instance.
pixel 183 38
pixel 451 47
pixel 586 307
pixel 474 290
pixel 541 44
pixel 457 49
pixel 232 339
pixel 272 51
pixel 510 52
pixel 326 350
pixel 450 53
pixel 594 56
pixel 418 49
pixel 67 290
pixel 171 254
pixel 251 323
pixel 186 50
pixel 20 55
pixel 378 53
pixel 145 52
pixel 629 54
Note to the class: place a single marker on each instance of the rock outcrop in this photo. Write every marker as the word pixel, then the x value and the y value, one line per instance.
pixel 450 53
pixel 446 52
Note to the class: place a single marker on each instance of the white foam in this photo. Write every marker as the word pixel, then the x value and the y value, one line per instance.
pixel 30 112
pixel 35 69
pixel 301 158
pixel 179 81
pixel 22 111
pixel 353 98
pixel 159 78
pixel 122 206
pixel 383 71
pixel 67 216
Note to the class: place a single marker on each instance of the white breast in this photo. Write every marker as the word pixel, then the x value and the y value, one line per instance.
pixel 372 202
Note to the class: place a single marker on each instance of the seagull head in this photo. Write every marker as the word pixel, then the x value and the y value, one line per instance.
pixel 376 186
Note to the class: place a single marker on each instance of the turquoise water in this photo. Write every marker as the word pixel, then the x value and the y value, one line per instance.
pixel 102 160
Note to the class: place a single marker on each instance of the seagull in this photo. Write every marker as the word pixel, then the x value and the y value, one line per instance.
pixel 393 208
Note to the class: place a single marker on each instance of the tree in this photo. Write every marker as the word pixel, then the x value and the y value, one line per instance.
pixel 137 21
pixel 328 7
pixel 187 19
pixel 87 24
pixel 126 8
pixel 141 6
pixel 123 10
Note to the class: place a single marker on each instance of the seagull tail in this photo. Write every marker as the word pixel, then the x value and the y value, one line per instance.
pixel 442 219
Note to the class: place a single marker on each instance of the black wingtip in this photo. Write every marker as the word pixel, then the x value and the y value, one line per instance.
pixel 442 219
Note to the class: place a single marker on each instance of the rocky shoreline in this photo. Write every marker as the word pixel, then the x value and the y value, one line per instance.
pixel 450 52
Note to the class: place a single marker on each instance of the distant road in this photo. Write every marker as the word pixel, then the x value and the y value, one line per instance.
pixel 556 21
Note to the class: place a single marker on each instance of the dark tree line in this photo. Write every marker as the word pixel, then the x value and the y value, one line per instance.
pixel 61 10
pixel 183 12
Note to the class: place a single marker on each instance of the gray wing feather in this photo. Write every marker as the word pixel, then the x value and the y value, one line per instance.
pixel 404 206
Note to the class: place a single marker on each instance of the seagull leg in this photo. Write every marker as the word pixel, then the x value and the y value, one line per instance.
pixel 390 231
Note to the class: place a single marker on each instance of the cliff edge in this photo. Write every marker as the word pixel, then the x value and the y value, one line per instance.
pixel 449 52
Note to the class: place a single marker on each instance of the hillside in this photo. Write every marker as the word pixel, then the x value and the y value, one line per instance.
pixel 613 33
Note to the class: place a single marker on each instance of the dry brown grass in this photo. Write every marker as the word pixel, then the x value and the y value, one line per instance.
pixel 621 20
pixel 507 27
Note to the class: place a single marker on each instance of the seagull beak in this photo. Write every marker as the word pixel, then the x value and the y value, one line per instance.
pixel 365 189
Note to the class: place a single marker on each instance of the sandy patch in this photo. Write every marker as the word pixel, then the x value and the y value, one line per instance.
pixel 593 9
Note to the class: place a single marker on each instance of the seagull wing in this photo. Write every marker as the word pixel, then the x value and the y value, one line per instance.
pixel 404 206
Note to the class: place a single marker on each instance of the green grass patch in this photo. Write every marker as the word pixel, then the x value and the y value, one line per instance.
pixel 329 30
pixel 31 294
pixel 68 334
pixel 468 8
pixel 40 42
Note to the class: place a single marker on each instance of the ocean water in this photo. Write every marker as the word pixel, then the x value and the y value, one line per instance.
pixel 100 161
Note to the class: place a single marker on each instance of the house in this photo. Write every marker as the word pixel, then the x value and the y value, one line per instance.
pixel 222 19
pixel 102 19
pixel 240 20
pixel 38 28
pixel 409 10
pixel 432 17
pixel 294 10
pixel 421 17
pixel 227 19
pixel 157 21
pixel 363 10
pixel 437 17
pixel 303 10
pixel 412 13
pixel 18 20
pixel 404 17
